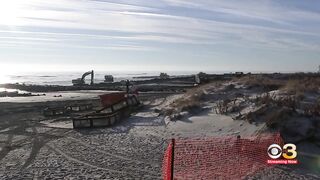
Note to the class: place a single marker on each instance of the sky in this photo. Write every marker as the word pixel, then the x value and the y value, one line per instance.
pixel 160 35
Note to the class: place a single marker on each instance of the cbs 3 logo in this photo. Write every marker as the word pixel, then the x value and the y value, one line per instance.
pixel 288 151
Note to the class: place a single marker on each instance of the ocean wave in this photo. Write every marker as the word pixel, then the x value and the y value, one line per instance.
pixel 46 76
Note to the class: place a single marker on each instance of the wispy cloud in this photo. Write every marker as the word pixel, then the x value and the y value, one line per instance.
pixel 168 26
pixel 267 10
pixel 153 25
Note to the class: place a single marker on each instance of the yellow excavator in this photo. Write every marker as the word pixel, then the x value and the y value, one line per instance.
pixel 81 81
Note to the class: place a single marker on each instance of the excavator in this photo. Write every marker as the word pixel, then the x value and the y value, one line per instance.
pixel 80 81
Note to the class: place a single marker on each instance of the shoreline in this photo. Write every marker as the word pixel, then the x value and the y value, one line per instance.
pixel 172 83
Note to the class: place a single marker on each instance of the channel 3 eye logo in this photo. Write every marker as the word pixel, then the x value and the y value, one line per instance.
pixel 288 153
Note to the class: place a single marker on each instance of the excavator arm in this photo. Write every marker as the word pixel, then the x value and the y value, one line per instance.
pixel 81 81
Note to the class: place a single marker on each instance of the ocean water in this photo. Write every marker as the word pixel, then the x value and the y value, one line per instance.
pixel 65 78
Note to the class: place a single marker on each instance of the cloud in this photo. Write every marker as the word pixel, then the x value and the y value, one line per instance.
pixel 266 10
pixel 263 24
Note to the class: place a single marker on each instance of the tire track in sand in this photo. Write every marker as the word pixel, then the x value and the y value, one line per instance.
pixel 58 151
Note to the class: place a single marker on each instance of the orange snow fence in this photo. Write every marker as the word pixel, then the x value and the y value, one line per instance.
pixel 229 157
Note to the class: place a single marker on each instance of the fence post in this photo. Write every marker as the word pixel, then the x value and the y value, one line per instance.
pixel 238 146
pixel 172 157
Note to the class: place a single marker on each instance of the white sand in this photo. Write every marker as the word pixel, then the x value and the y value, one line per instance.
pixel 132 149
pixel 212 125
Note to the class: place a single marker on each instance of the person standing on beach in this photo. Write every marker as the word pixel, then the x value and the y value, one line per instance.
pixel 127 86
pixel 130 89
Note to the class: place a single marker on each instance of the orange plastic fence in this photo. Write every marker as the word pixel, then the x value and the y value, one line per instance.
pixel 218 157
pixel 166 166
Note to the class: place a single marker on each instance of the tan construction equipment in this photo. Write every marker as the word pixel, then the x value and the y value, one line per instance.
pixel 81 81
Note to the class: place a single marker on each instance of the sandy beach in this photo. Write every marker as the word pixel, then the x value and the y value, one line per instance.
pixel 37 147
pixel 159 89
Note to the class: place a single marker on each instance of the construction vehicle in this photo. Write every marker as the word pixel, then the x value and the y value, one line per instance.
pixel 164 76
pixel 201 77
pixel 81 81
pixel 108 78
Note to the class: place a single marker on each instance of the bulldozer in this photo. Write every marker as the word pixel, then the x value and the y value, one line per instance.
pixel 81 81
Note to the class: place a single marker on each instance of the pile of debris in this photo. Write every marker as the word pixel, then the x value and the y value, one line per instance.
pixel 116 106
pixel 17 94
